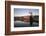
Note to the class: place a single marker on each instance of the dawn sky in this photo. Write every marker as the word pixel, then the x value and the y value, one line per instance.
pixel 25 11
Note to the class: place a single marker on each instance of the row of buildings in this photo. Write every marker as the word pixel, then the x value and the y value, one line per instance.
pixel 24 18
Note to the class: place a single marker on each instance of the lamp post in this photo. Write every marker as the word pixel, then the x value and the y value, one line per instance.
pixel 31 18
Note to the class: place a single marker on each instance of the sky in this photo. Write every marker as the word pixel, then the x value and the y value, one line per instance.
pixel 25 11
